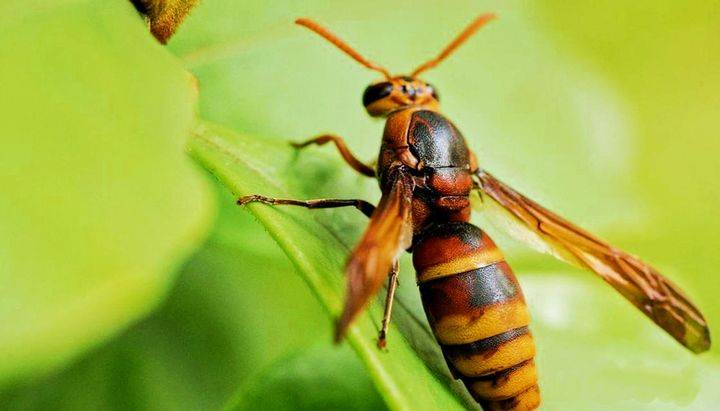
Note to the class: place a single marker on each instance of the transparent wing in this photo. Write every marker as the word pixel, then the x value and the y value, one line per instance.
pixel 641 284
pixel 387 235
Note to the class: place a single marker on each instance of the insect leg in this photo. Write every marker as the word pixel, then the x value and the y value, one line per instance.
pixel 358 165
pixel 362 205
pixel 392 286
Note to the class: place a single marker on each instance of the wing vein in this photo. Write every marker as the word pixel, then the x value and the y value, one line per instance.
pixel 642 285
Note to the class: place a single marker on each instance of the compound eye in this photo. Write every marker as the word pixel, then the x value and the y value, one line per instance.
pixel 375 92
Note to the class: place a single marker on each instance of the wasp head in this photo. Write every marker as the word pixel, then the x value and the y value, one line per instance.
pixel 384 97
pixel 395 92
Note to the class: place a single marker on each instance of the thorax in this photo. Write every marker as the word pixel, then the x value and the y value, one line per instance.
pixel 435 152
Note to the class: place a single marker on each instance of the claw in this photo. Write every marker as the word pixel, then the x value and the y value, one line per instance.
pixel 382 342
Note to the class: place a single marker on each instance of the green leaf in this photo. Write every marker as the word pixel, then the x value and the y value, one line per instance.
pixel 291 383
pixel 604 111
pixel 318 247
pixel 99 203
pixel 221 325
pixel 616 345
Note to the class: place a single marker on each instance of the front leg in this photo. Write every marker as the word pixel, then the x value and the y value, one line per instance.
pixel 358 165
pixel 362 205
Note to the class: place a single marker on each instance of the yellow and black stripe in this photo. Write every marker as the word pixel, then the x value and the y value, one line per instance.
pixel 478 314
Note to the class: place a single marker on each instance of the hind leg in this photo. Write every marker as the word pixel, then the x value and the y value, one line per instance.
pixel 392 286
pixel 362 205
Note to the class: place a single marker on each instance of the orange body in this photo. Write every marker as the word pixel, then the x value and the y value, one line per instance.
pixel 478 314
pixel 471 297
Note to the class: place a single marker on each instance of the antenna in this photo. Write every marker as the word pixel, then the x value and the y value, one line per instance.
pixel 332 38
pixel 471 29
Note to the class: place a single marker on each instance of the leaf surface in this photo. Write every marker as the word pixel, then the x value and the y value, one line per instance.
pixel 318 251
pixel 99 203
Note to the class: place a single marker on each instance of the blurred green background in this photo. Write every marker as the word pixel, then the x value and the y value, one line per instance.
pixel 603 111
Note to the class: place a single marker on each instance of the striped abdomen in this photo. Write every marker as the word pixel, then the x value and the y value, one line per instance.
pixel 478 314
